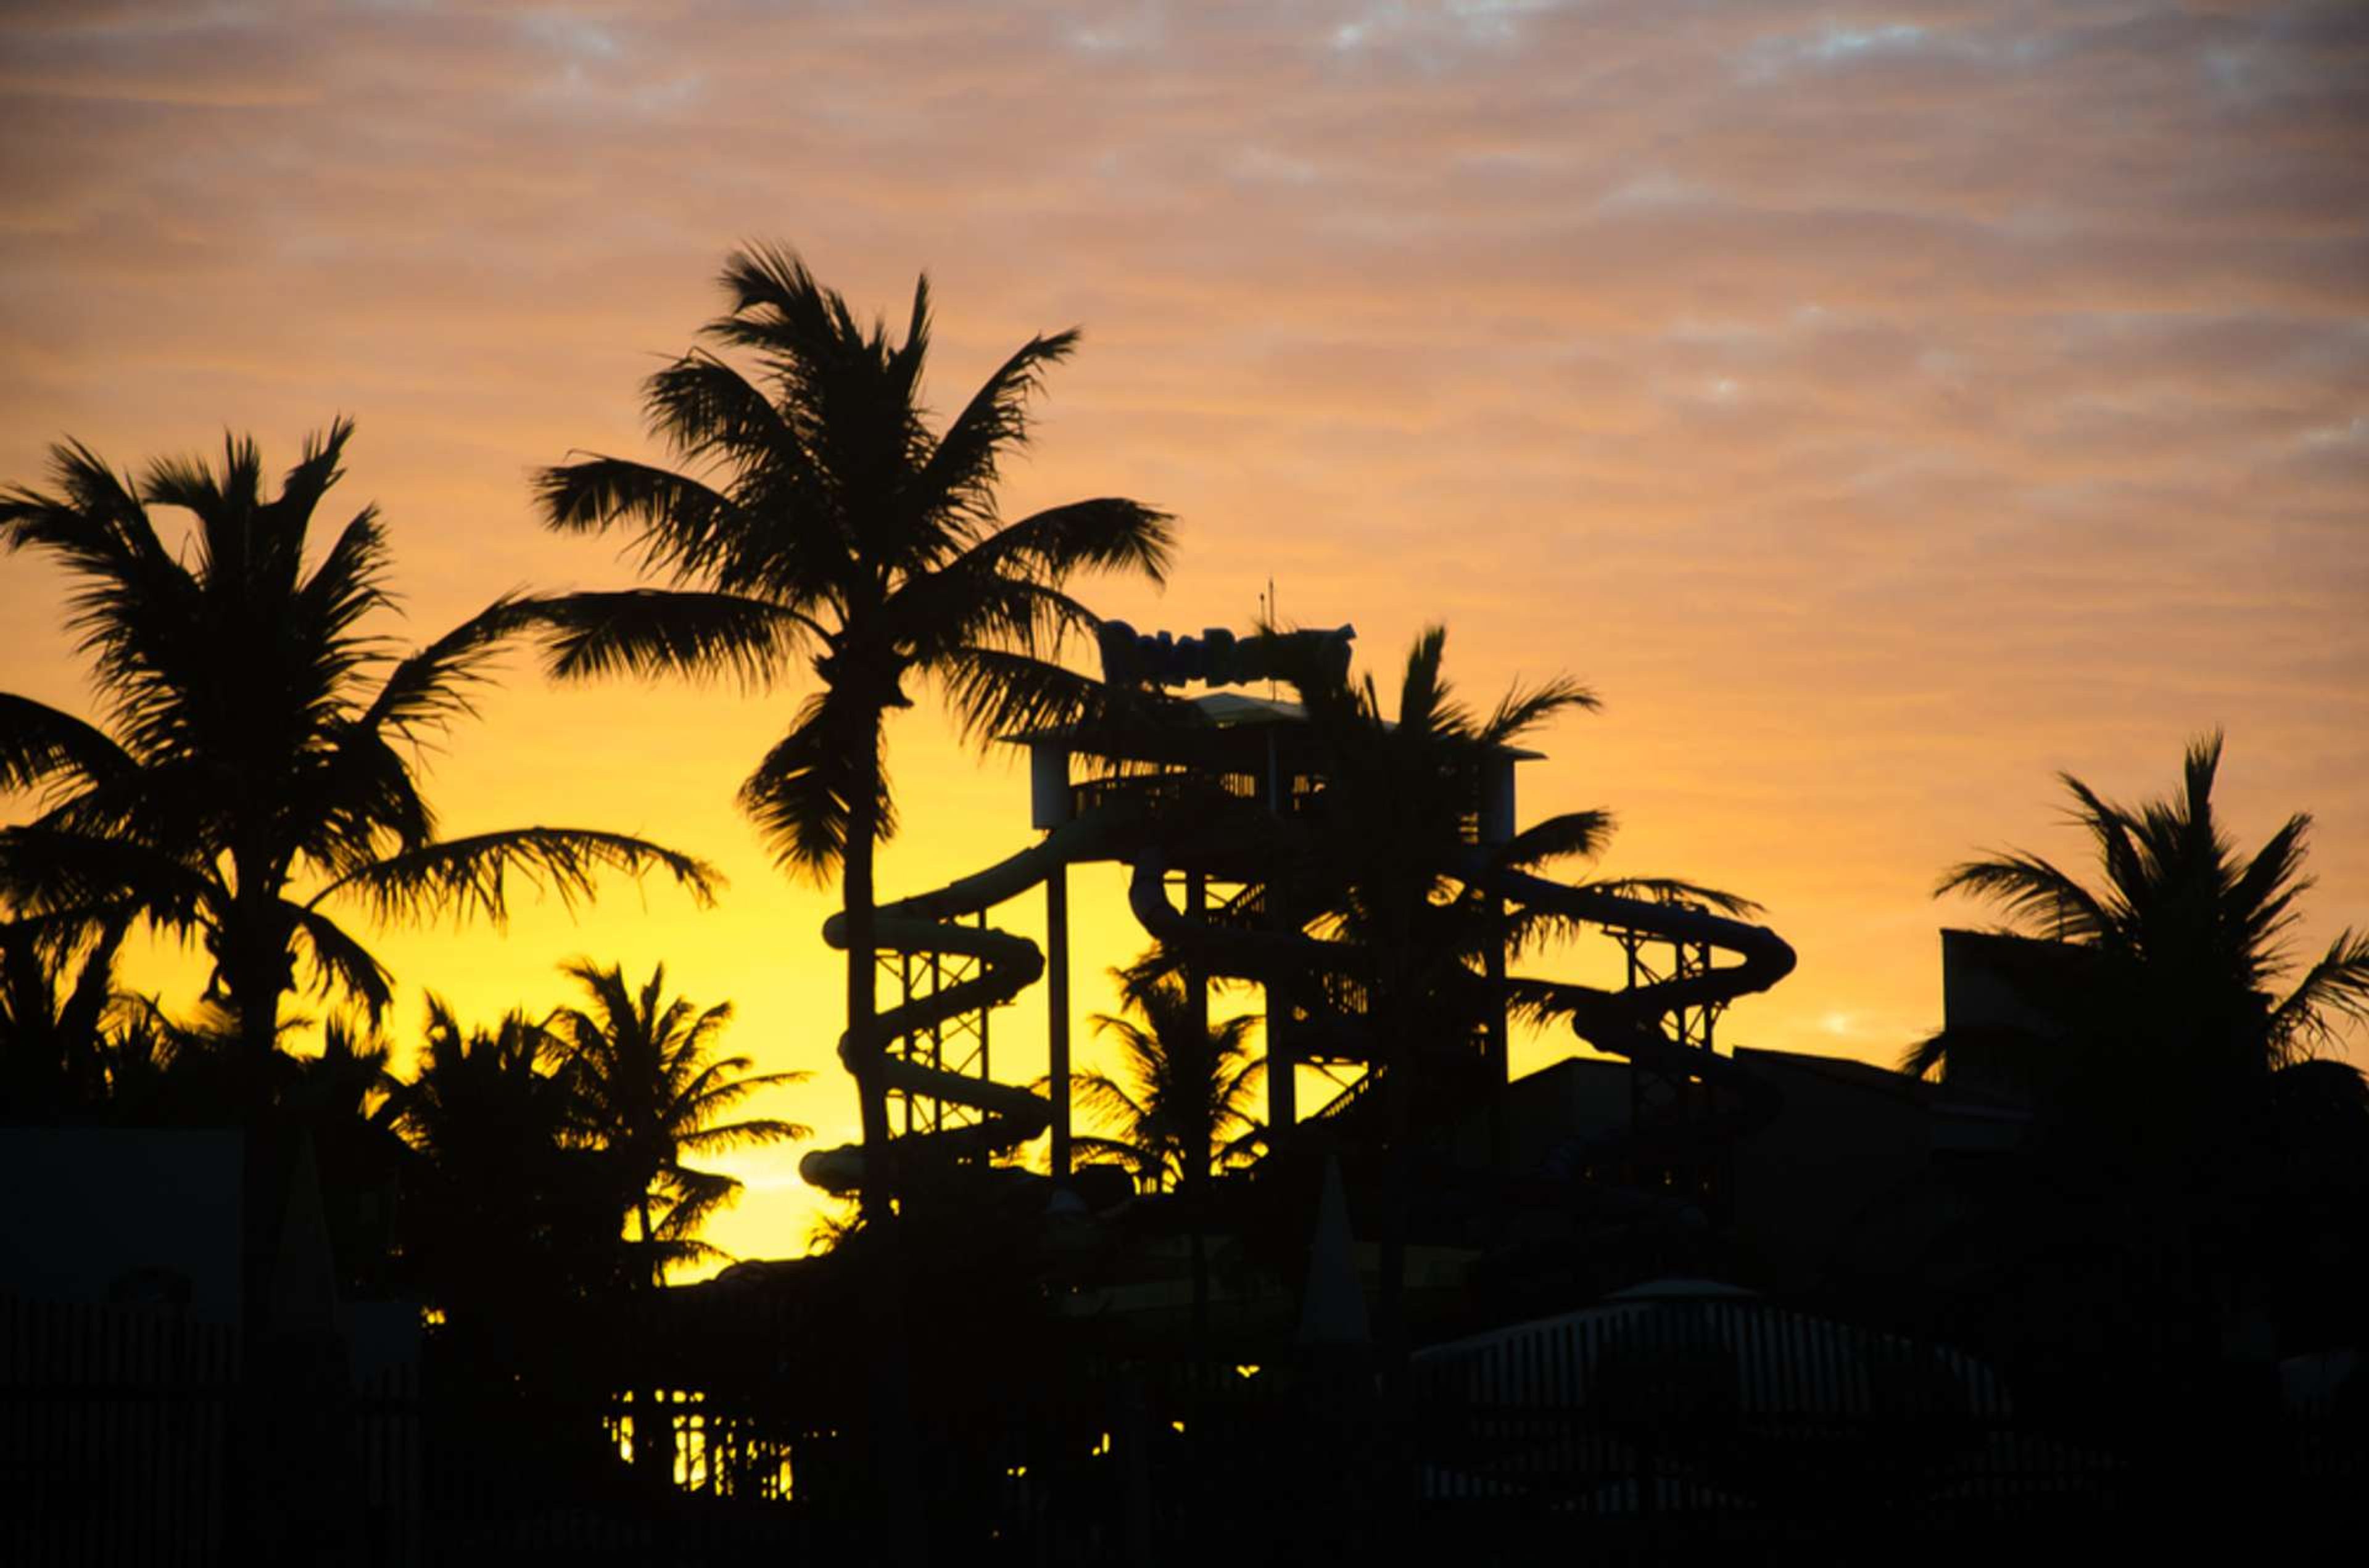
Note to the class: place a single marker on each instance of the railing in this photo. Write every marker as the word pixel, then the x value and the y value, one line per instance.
pixel 126 1436
pixel 116 1431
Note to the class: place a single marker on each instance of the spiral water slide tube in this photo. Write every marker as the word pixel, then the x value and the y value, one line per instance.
pixel 929 923
pixel 1622 1023
pixel 1628 1023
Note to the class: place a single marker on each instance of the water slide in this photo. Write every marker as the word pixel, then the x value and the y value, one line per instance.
pixel 1627 1023
pixel 1623 1022
pixel 930 923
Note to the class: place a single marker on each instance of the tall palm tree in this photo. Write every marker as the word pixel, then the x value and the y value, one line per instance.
pixel 1394 874
pixel 1394 868
pixel 1181 1105
pixel 817 515
pixel 2170 962
pixel 258 763
pixel 2191 1154
pixel 647 1089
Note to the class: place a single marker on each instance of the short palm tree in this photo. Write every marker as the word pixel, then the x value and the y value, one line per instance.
pixel 1180 1107
pixel 648 1090
pixel 479 1100
pixel 818 515
pixel 257 765
pixel 2176 951
pixel 57 985
pixel 502 1215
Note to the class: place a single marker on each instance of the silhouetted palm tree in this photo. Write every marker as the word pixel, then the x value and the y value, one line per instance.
pixel 257 765
pixel 2191 1165
pixel 502 1218
pixel 1181 1104
pixel 1394 867
pixel 1395 871
pixel 477 1100
pixel 57 985
pixel 342 1096
pixel 818 515
pixel 2176 950
pixel 646 1088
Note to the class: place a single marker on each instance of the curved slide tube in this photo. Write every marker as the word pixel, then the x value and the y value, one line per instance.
pixel 1623 1022
pixel 929 923
pixel 1260 956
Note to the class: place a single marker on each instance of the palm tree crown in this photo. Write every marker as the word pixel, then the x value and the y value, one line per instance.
pixel 2182 942
pixel 648 1090
pixel 1181 1105
pixel 504 1212
pixel 820 516
pixel 258 759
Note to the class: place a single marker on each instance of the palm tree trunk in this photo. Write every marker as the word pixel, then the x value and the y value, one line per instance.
pixel 1199 1153
pixel 863 1007
pixel 254 961
pixel 242 974
pixel 653 1425
pixel 897 1495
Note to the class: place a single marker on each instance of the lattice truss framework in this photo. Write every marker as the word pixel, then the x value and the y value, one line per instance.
pixel 1667 1102
pixel 957 1044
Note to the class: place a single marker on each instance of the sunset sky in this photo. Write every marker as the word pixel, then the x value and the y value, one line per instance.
pixel 1880 407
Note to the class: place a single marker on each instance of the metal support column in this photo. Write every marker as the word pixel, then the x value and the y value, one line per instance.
pixel 1057 1003
pixel 1282 1066
pixel 1499 1068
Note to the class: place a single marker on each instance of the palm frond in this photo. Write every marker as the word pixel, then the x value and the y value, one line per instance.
pixel 95 523
pixel 2260 898
pixel 1524 708
pixel 40 745
pixel 431 687
pixel 1573 835
pixel 304 486
pixel 1107 534
pixel 651 632
pixel 939 616
pixel 2033 892
pixel 472 874
pixel 320 616
pixel 995 693
pixel 801 792
pixel 686 525
pixel 704 408
pixel 339 961
pixel 44 870
pixel 347 805
pixel 752 1130
pixel 1426 702
pixel 1105 1096
pixel 2335 986
pixel 965 463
